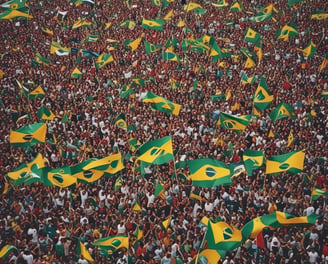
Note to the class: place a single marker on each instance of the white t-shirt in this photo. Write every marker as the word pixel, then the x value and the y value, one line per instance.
pixel 32 232
pixel 313 257
pixel 121 229
pixel 28 258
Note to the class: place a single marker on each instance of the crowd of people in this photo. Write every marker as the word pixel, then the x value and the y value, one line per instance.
pixel 46 223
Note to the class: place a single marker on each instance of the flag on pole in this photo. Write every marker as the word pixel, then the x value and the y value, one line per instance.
pixel 262 97
pixel 161 104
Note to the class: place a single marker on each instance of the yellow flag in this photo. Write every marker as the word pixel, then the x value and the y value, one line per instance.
pixel 290 138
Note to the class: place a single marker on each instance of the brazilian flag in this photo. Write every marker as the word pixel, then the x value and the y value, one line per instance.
pixel 156 24
pixel 157 152
pixel 28 135
pixel 262 97
pixel 292 162
pixel 45 114
pixel 110 164
pixel 112 243
pixel 5 251
pixel 61 177
pixel 103 60
pixel 283 110
pixel 238 123
pixel 209 172
pixel 149 47
pixel 161 104
pixel 38 92
pixel 253 159
pixel 120 121
pixel 86 176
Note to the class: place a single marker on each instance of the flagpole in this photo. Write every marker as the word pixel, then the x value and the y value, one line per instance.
pixel 201 245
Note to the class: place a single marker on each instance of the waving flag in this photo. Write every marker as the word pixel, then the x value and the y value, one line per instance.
pixel 56 48
pixel 14 14
pixel 253 159
pixel 5 251
pixel 238 123
pixel 86 176
pixel 262 97
pixel 309 50
pixel 319 15
pixel 38 92
pixel 103 60
pixel 170 56
pixel 151 47
pixel 61 177
pixel 110 164
pixel 283 110
pixel 132 44
pixel 209 172
pixel 252 36
pixel 156 24
pixel 157 152
pixel 292 162
pixel 28 135
pixel 161 104
pixel 45 114
pixel 15 4
pixel 120 121
pixel 287 31
pixel 83 251
pixel 317 193
pixel 221 4
pixel 112 243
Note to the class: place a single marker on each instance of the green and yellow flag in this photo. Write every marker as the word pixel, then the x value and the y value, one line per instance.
pixel 317 193
pixel 275 220
pixel 45 114
pixel 247 80
pixel 129 24
pixel 191 6
pixel 253 159
pixel 222 236
pixel 10 14
pixel 157 152
pixel 15 4
pixel 283 110
pixel 166 223
pixel 252 36
pixel 170 56
pixel 118 183
pixel 287 31
pixel 81 23
pixel 319 15
pixel 169 15
pixel 292 162
pixel 138 233
pixel 132 44
pixel 290 139
pixel 136 206
pixel 209 172
pixel 220 4
pixel 309 50
pixel 38 92
pixel 56 48
pixel 28 135
pixel 236 7
pixel 82 250
pixel 103 60
pixel 20 172
pixel 86 176
pixel 110 164
pixel 262 97
pixel 149 47
pixel 238 123
pixel 61 177
pixel 159 191
pixel 134 143
pixel 161 104
pixel 323 65
pixel 209 255
pixel 76 73
pixel 112 243
pixel 5 251
pixel 120 121
pixel 264 14
pixel 156 24
pixel 42 60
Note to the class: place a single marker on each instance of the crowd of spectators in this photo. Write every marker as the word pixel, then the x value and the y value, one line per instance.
pixel 44 223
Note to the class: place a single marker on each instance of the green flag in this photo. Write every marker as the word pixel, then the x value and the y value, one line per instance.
pixel 161 104
pixel 262 97
pixel 238 123
pixel 253 159
pixel 292 162
pixel 45 114
pixel 120 121
pixel 287 31
pixel 156 24
pixel 252 36
pixel 283 110
pixel 28 135
pixel 151 47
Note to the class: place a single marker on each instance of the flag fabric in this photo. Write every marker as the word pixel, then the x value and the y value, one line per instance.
pixel 20 172
pixel 56 48
pixel 309 50
pixel 91 38
pixel 86 176
pixel 38 92
pixel 209 255
pixel 253 159
pixel 171 42
pixel 169 15
pixel 264 14
pixel 262 97
pixel 41 60
pixel 5 251
pixel 28 135
pixel 76 73
pixel 218 95
pixel 238 123
pixel 103 60
pixel 324 94
pixel 132 44
pixel 191 6
pixel 287 31
pixel 156 2
pixel 166 223
pixel 258 49
pixel 110 164
pixel 45 114
pixel 209 172
pixel 151 47
pixel 319 15
pixel 161 104
pixel 112 243
pixel 83 251
pixel 22 89
pixel 138 81
pixel 81 23
pixel 217 53
pixel 222 236
pixel 126 91
pixel 79 2
pixel 156 24
pixel 120 121
pixel 129 24
pixel 220 4
pixel 61 177
pixel 118 183
pixel 317 193
pixel 47 31
pixel 136 206
pixel 283 110
pixel 159 191
pixel 292 162
pixel 170 56
pixel 290 139
pixel 138 233
pixel 323 65
pixel 274 220
pixel 247 80
pixel 195 195
pixel 236 7
pixel 252 36
pixel 250 63
pixel 15 14
pixel 15 4
pixel 157 152
pixel 134 143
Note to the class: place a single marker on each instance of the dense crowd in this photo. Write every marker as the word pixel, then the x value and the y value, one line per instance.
pixel 45 223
